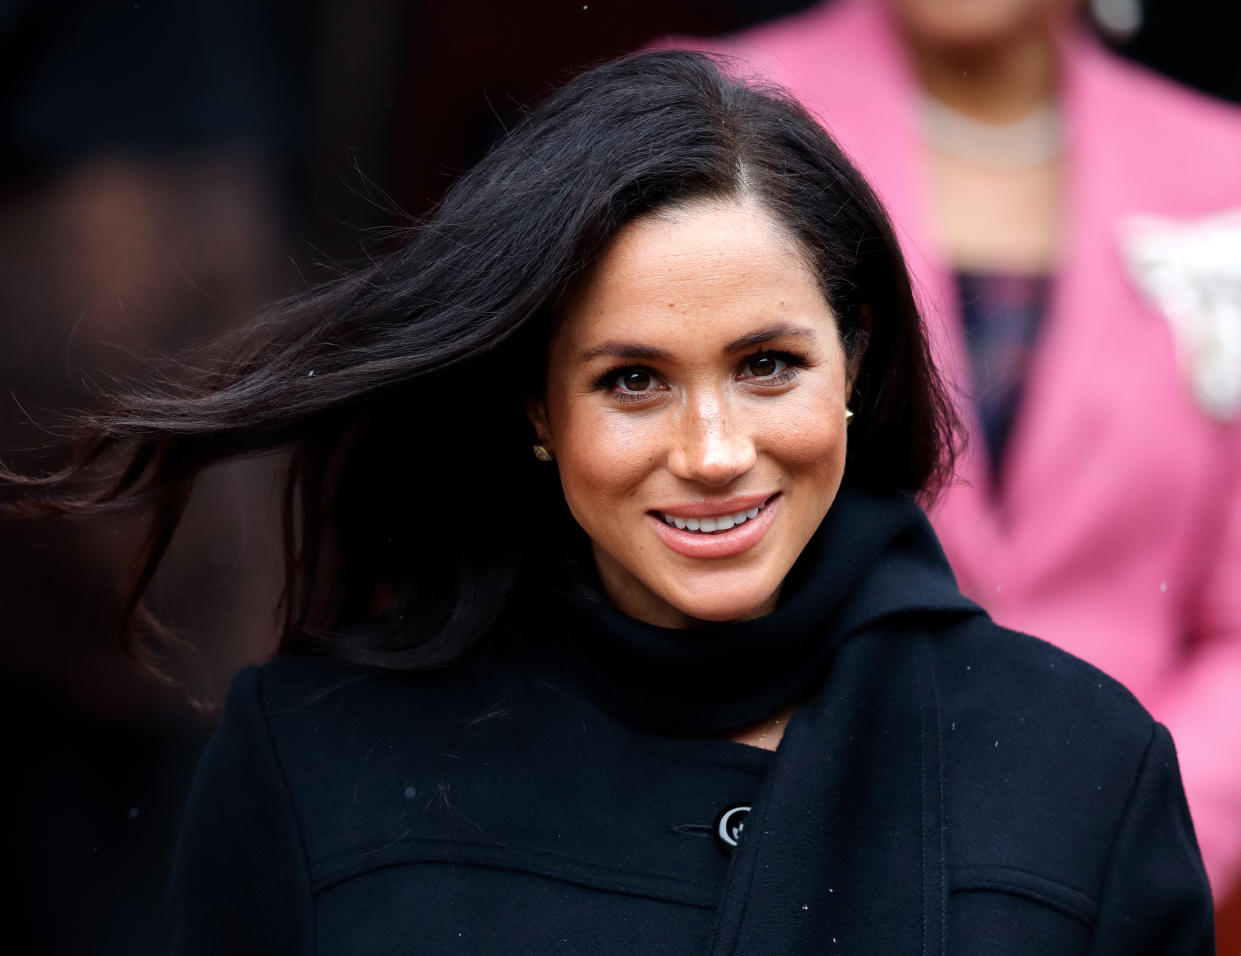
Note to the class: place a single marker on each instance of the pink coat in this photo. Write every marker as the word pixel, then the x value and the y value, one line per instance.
pixel 1117 534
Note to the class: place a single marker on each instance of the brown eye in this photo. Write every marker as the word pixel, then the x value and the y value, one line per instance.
pixel 635 380
pixel 764 366
pixel 761 365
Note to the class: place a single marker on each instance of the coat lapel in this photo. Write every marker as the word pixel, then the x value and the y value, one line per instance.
pixel 843 851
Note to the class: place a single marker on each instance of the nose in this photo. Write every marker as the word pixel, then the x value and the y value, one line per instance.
pixel 711 446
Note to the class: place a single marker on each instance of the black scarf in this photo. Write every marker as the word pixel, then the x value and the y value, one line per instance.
pixel 843 849
pixel 714 679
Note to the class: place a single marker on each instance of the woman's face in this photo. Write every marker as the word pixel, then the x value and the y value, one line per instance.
pixel 695 405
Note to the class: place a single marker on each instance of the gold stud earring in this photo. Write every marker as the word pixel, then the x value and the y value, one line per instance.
pixel 542 452
pixel 848 415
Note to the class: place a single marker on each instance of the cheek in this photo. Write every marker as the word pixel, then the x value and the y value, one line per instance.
pixel 806 441
pixel 602 457
pixel 807 437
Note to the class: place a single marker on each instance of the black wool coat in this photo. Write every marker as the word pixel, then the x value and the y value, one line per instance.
pixel 947 787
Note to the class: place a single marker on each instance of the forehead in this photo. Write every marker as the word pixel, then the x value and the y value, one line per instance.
pixel 693 272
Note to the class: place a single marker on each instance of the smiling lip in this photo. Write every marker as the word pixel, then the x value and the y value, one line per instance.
pixel 712 509
pixel 719 544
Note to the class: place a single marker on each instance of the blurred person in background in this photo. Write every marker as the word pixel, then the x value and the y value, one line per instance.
pixel 1073 223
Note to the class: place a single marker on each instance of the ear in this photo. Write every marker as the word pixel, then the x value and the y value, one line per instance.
pixel 862 339
pixel 536 411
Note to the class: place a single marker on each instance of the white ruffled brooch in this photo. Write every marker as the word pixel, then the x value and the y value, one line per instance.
pixel 1191 271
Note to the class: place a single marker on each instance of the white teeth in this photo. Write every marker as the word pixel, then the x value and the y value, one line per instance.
pixel 709 525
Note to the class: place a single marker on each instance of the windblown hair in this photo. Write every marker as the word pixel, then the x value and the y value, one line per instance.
pixel 414 513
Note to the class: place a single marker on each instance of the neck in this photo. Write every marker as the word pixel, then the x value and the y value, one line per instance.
pixel 998 82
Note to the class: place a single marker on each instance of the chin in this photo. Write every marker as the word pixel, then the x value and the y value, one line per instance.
pixel 727 604
pixel 966 23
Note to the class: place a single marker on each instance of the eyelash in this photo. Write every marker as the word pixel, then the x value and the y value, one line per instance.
pixel 794 363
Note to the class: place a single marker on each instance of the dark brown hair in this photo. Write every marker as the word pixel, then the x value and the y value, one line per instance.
pixel 413 509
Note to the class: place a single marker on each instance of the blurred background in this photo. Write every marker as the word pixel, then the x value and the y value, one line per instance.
pixel 166 168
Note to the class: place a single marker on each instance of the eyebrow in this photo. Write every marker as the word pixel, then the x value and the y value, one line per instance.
pixel 635 350
pixel 759 336
pixel 627 350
